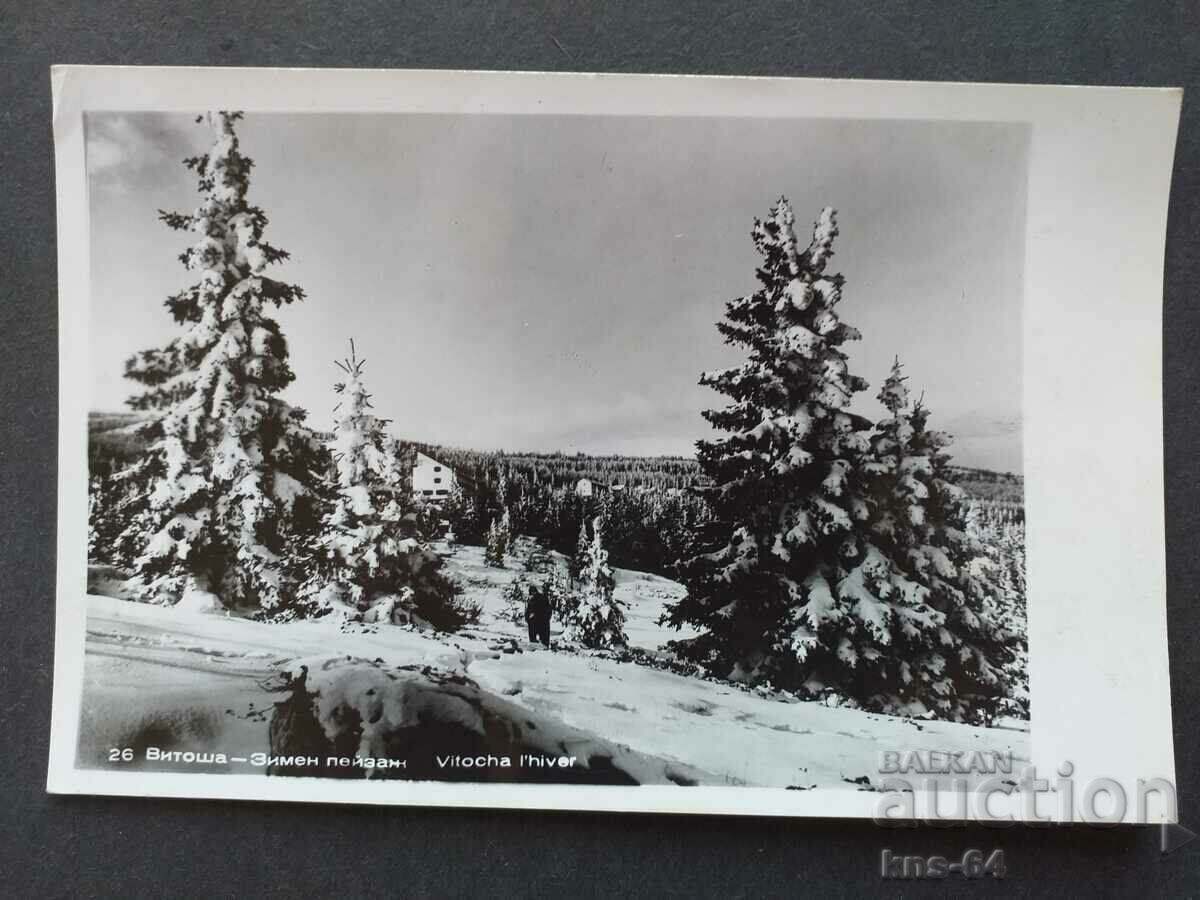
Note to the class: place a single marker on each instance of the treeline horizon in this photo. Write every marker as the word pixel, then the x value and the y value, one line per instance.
pixel 108 444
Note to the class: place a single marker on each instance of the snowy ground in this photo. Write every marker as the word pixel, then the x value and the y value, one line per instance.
pixel 156 676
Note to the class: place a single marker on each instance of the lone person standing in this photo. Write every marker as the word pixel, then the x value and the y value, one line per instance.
pixel 537 615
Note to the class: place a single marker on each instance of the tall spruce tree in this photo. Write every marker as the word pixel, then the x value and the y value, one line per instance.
pixel 370 549
pixel 228 478
pixel 762 580
pixel 790 583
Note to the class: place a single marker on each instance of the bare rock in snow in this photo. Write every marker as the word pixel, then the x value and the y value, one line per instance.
pixel 442 726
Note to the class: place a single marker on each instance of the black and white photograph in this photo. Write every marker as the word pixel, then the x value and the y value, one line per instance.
pixel 584 449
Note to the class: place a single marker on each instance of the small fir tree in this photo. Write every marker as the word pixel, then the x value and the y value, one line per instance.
pixel 558 589
pixel 496 546
pixel 506 530
pixel 582 545
pixel 597 620
pixel 370 549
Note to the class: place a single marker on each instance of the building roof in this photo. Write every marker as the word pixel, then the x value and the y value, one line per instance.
pixel 426 458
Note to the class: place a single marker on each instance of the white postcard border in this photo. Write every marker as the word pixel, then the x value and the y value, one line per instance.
pixel 1099 178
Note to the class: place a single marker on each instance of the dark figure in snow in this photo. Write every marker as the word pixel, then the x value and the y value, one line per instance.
pixel 537 614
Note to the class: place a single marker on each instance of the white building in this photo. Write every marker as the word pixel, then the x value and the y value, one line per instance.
pixel 432 480
pixel 585 487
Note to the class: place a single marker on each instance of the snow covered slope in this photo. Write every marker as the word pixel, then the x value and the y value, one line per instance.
pixel 164 677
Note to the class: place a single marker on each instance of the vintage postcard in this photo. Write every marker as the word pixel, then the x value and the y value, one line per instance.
pixel 610 442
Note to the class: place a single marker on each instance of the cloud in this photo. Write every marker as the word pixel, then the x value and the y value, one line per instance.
pixel 124 149
pixel 104 154
pixel 115 142
pixel 980 425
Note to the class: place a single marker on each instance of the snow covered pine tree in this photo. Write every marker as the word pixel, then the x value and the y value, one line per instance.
pixel 597 620
pixel 227 481
pixel 582 545
pixel 496 544
pixel 506 533
pixel 959 659
pixel 1001 532
pixel 369 558
pixel 791 585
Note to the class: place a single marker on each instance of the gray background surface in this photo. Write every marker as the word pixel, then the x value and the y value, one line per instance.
pixel 82 846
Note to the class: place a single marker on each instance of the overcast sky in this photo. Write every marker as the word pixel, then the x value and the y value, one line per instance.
pixel 552 282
